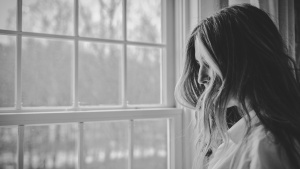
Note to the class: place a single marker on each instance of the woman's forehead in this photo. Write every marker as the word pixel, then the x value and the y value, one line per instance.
pixel 202 54
pixel 200 50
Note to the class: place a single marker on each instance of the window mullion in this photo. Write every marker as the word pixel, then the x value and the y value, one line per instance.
pixel 170 49
pixel 163 77
pixel 124 77
pixel 20 146
pixel 18 86
pixel 76 103
pixel 130 144
pixel 168 144
pixel 80 146
pixel 163 20
pixel 18 74
pixel 124 60
pixel 164 55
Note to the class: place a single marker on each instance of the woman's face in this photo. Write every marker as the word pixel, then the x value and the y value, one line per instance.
pixel 208 68
pixel 206 64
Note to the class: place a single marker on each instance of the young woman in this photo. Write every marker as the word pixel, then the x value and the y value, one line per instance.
pixel 237 58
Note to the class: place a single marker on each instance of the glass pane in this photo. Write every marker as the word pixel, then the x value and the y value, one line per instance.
pixel 8 147
pixel 144 20
pixel 143 73
pixel 51 146
pixel 46 72
pixel 99 73
pixel 150 149
pixel 101 19
pixel 7 70
pixel 8 14
pixel 106 145
pixel 48 16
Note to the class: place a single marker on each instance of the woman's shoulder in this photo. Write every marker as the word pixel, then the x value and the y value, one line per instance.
pixel 263 150
pixel 258 150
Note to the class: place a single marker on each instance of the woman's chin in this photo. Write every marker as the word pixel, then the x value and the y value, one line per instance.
pixel 231 103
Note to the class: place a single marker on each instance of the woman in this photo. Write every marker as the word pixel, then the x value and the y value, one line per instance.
pixel 237 58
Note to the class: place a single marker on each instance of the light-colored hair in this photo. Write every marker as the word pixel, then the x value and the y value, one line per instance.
pixel 255 70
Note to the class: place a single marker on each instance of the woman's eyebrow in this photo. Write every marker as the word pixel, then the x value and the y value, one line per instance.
pixel 203 58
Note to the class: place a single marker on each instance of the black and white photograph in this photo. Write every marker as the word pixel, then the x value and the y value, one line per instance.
pixel 149 84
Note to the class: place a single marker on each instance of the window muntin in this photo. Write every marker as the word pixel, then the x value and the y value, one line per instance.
pixel 58 29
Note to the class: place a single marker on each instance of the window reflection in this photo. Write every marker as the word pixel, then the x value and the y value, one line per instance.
pixel 106 144
pixel 7 70
pixel 51 146
pixel 48 16
pixel 101 19
pixel 8 147
pixel 8 14
pixel 150 144
pixel 144 75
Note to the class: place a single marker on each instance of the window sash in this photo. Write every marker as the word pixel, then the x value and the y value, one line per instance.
pixel 167 75
pixel 174 116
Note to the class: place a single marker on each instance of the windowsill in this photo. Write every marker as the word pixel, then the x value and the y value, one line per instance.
pixel 83 108
pixel 29 118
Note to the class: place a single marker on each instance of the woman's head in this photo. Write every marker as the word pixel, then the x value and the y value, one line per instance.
pixel 237 57
pixel 244 47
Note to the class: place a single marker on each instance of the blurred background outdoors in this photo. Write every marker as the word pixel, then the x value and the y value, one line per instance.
pixel 47 73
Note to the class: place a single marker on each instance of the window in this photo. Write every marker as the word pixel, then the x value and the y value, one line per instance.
pixel 84 53
pixel 88 84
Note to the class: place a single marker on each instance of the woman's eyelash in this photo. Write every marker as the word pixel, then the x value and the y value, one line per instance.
pixel 205 64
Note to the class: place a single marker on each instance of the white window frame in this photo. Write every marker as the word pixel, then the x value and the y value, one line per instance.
pixel 21 117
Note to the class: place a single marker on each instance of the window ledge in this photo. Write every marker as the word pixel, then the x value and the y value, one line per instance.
pixel 30 118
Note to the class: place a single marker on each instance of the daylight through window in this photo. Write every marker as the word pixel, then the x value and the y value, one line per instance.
pixel 84 85
pixel 82 53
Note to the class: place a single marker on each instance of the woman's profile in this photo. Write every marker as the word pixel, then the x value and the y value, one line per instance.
pixel 237 58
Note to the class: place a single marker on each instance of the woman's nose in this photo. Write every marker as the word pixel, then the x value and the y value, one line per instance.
pixel 203 77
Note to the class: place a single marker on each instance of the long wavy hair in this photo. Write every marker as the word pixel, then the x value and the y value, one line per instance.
pixel 255 69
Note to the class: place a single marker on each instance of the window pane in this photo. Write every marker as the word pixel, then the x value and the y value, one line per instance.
pixel 51 146
pixel 46 72
pixel 48 16
pixel 7 70
pixel 144 20
pixel 143 73
pixel 101 19
pixel 8 147
pixel 106 145
pixel 99 73
pixel 8 13
pixel 150 144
